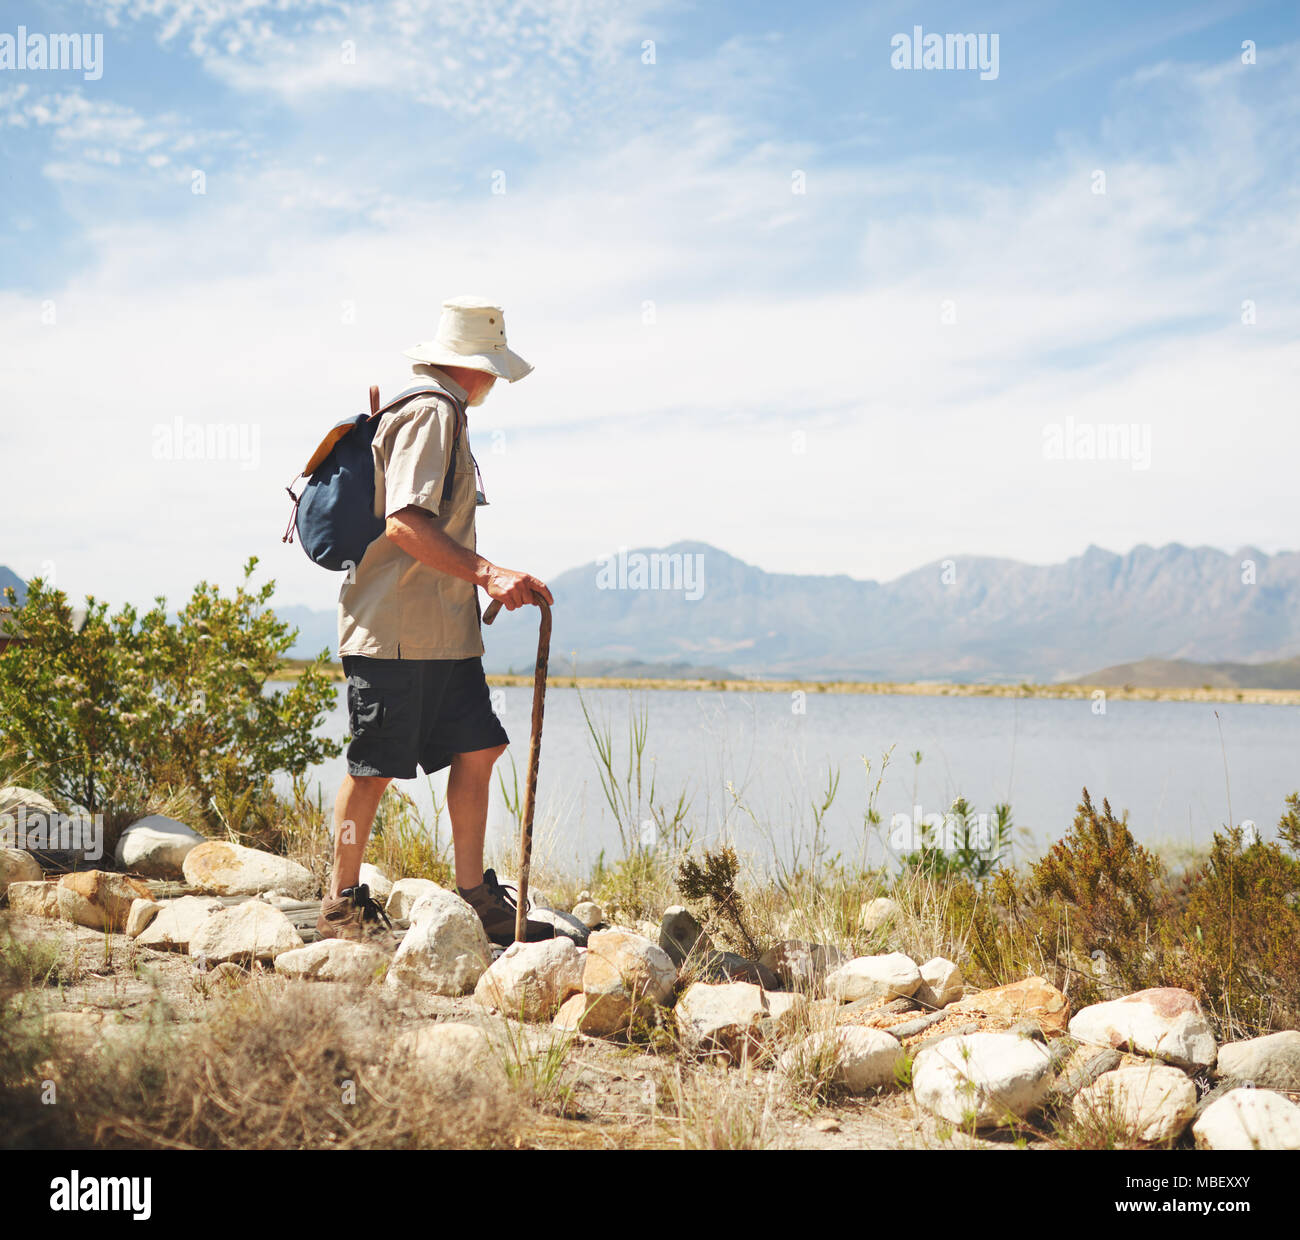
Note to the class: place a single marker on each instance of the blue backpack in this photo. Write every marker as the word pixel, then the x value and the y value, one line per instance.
pixel 334 514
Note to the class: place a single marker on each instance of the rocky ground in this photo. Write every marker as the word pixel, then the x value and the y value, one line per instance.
pixel 623 1036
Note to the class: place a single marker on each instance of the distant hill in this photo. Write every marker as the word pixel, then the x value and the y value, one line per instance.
pixel 9 578
pixel 970 618
pixel 1184 674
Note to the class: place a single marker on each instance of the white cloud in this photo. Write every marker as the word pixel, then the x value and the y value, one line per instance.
pixel 775 315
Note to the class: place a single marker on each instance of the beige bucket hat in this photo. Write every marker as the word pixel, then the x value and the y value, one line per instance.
pixel 471 333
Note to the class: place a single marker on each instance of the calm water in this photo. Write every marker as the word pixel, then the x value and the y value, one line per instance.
pixel 1163 762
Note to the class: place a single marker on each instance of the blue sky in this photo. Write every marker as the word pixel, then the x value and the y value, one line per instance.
pixel 857 378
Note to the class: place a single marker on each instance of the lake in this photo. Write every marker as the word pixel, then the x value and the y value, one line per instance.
pixel 753 768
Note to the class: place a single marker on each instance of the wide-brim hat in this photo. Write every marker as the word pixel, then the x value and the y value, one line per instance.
pixel 472 333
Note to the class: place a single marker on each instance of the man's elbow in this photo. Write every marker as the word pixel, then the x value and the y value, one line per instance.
pixel 402 526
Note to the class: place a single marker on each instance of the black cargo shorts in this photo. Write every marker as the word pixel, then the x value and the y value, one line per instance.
pixel 404 712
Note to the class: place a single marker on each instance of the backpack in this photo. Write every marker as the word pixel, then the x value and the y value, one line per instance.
pixel 334 514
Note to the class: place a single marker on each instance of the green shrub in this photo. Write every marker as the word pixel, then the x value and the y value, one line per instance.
pixel 1242 930
pixel 129 702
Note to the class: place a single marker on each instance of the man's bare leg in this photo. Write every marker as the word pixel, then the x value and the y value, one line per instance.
pixel 467 802
pixel 354 815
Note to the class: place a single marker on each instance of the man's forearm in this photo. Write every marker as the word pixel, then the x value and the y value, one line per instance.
pixel 413 532
pixel 417 535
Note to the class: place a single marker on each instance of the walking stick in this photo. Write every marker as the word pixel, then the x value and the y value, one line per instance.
pixel 534 757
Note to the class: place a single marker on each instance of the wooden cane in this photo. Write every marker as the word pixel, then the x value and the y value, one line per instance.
pixel 534 758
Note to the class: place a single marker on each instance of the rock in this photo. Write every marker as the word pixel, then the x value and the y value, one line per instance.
pixel 14 799
pixel 530 981
pixel 156 847
pixel 787 1009
pixel 573 1013
pixel 381 886
pixel 1270 1062
pixel 445 951
pixel 1164 1022
pixel 1249 1119
pixel 227 869
pixel 874 977
pixel 1035 998
pixel 1085 1065
pixel 461 1060
pixel 565 924
pixel 802 966
pixel 589 913
pixel 865 1058
pixel 18 866
pixel 982 1079
pixel 623 975
pixel 31 822
pixel 171 929
pixel 877 913
pixel 731 967
pixel 36 899
pixel 941 983
pixel 406 894
pixel 141 913
pixel 1151 1103
pixel 680 934
pixel 722 1019
pixel 334 960
pixel 243 933
pixel 98 899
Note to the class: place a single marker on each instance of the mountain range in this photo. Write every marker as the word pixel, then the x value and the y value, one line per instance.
pixel 967 618
pixel 691 609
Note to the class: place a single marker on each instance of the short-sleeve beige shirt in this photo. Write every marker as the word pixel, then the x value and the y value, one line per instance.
pixel 391 606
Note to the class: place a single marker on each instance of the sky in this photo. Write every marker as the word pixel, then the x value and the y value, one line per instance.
pixel 783 294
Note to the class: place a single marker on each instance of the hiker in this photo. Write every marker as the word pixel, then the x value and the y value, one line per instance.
pixel 409 625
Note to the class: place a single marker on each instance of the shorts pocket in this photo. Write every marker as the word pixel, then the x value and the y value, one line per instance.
pixel 365 709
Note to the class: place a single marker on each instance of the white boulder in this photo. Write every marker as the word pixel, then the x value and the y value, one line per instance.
pixel 982 1080
pixel 175 923
pixel 334 960
pixel 381 886
pixel 1147 1103
pixel 445 951
pixel 406 893
pixel 156 847
pixel 227 869
pixel 1164 1022
pixel 531 980
pixel 865 1058
pixel 1249 1119
pixel 244 933
pixel 1270 1062
pixel 893 976
pixel 18 866
pixel 725 1019
pixel 941 983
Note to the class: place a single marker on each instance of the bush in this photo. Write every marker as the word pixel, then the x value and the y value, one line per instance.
pixel 129 702
pixel 1242 930
pixel 1093 913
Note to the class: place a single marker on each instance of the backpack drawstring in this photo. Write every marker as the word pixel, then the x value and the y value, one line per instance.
pixel 287 536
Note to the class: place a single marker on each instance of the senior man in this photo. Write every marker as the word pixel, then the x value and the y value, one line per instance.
pixel 409 625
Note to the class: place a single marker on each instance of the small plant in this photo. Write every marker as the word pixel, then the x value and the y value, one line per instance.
pixel 713 885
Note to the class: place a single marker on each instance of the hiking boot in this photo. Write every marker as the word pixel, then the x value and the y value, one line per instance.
pixel 496 908
pixel 353 914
